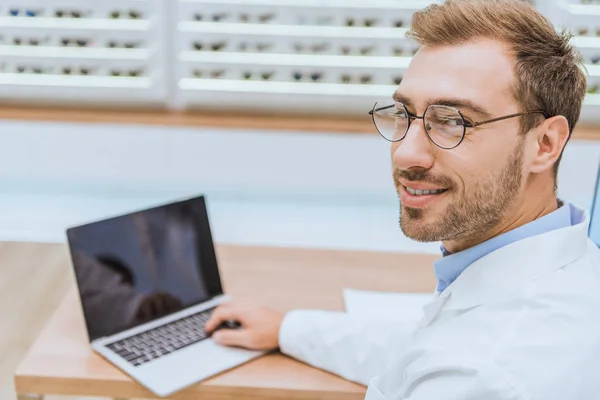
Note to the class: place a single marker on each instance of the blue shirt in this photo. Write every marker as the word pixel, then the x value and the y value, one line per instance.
pixel 448 268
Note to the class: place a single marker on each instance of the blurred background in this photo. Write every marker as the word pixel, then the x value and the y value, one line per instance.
pixel 113 105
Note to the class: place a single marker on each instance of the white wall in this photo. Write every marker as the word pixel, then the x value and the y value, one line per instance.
pixel 301 189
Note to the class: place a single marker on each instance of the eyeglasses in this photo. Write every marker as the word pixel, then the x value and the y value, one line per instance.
pixel 257 47
pixel 74 42
pixel 68 14
pixel 313 76
pixel 83 71
pixel 117 14
pixel 363 51
pixel 131 72
pixel 445 126
pixel 199 46
pixel 114 44
pixel 368 22
pixel 18 41
pixel 363 79
pixel 29 69
pixel 14 12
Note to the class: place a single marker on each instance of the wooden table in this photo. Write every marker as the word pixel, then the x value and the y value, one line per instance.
pixel 61 361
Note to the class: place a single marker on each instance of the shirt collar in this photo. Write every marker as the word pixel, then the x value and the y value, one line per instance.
pixel 506 270
pixel 447 269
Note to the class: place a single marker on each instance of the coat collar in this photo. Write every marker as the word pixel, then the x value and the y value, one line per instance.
pixel 505 270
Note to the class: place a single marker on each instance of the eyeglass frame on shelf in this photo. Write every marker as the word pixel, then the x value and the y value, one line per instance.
pixel 466 122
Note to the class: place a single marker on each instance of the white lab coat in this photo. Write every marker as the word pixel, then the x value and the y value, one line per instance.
pixel 523 323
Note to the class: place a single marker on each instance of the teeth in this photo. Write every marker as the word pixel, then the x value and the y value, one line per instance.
pixel 423 192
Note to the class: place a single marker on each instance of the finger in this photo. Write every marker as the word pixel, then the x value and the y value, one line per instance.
pixel 228 337
pixel 221 313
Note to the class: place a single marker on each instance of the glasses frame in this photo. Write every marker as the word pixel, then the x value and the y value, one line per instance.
pixel 467 123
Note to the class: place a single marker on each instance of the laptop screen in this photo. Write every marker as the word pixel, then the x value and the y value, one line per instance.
pixel 594 230
pixel 141 266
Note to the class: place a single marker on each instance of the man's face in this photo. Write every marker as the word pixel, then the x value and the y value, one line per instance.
pixel 482 177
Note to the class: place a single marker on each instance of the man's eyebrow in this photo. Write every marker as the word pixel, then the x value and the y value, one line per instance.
pixel 400 98
pixel 462 104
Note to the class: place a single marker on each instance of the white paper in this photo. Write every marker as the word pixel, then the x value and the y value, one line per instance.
pixel 389 305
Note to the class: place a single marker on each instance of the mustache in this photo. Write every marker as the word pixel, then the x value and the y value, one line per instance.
pixel 423 175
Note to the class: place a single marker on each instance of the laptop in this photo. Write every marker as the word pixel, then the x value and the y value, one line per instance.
pixel 148 281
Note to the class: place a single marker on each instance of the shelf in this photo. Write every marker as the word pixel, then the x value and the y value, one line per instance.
pixel 74 52
pixel 295 60
pixel 320 32
pixel 290 88
pixel 592 100
pixel 586 42
pixel 593 70
pixel 384 4
pixel 584 9
pixel 302 88
pixel 58 81
pixel 75 23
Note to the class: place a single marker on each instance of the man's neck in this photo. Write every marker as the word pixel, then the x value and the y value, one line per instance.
pixel 519 215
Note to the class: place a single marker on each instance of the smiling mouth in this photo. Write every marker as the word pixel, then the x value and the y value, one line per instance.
pixel 416 192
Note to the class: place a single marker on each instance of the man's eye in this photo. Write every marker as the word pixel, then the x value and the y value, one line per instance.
pixel 451 121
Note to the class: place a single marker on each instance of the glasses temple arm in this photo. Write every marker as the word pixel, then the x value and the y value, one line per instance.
pixel 380 109
pixel 474 124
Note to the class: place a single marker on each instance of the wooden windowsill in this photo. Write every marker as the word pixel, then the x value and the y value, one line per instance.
pixel 307 123
pixel 194 118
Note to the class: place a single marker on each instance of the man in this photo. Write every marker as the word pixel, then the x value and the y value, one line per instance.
pixel 478 127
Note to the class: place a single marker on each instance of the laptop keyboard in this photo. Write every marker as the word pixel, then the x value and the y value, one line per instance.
pixel 163 340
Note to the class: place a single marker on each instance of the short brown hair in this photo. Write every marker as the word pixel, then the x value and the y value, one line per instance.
pixel 548 69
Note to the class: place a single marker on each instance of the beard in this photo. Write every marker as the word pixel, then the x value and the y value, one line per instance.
pixel 481 209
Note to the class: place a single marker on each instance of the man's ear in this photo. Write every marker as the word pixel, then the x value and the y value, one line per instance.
pixel 551 137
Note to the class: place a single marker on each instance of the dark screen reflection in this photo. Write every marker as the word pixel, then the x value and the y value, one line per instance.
pixel 142 266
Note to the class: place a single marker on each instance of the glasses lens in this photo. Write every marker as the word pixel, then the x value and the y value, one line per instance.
pixel 391 121
pixel 445 126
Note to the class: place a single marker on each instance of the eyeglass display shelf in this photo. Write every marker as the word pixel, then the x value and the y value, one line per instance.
pixel 592 100
pixel 273 87
pixel 593 70
pixel 584 9
pixel 48 72
pixel 380 92
pixel 294 60
pixel 83 53
pixel 295 97
pixel 230 85
pixel 83 82
pixel 384 4
pixel 76 23
pixel 321 32
pixel 591 109
pixel 125 92
pixel 305 97
pixel 586 42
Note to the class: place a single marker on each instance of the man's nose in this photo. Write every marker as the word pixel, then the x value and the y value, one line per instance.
pixel 415 150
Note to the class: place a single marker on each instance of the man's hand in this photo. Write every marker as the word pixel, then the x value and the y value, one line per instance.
pixel 259 326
